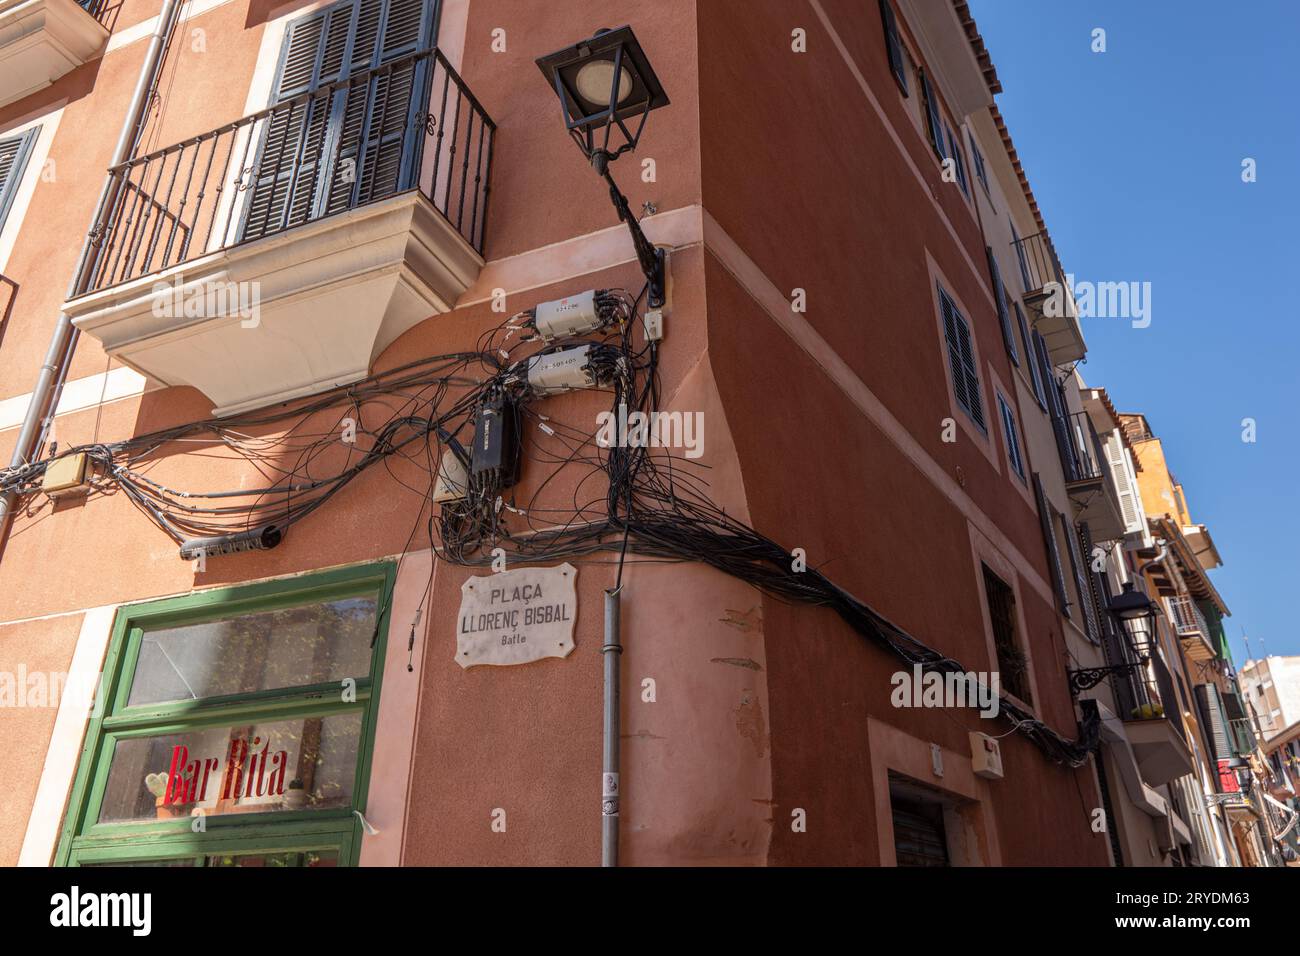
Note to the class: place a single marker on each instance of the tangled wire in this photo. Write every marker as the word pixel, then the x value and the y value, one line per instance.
pixel 625 497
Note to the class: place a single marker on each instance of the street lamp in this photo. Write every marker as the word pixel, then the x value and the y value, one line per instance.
pixel 1133 607
pixel 604 84
pixel 1136 613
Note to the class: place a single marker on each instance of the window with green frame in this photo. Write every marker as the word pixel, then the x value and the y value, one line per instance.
pixel 237 727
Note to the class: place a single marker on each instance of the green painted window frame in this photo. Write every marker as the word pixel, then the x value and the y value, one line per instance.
pixel 84 840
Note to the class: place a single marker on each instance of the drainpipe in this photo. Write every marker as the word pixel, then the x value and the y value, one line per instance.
pixel 58 357
pixel 613 651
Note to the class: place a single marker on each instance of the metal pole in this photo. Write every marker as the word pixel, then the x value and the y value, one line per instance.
pixel 609 789
pixel 49 382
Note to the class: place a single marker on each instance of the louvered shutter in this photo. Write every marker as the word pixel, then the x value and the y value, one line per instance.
pixel 293 139
pixel 961 359
pixel 958 163
pixel 1056 410
pixel 932 115
pixel 1049 540
pixel 893 46
pixel 342 148
pixel 1119 473
pixel 1082 587
pixel 1215 725
pixel 14 153
pixel 380 115
pixel 1000 295
pixel 1034 375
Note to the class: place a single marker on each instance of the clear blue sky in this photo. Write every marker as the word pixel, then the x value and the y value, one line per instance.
pixel 1135 158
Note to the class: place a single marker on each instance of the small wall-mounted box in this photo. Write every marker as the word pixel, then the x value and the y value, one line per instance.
pixel 65 477
pixel 986 756
pixel 453 479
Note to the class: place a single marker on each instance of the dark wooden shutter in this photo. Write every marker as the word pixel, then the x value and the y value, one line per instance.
pixel 1034 374
pixel 959 164
pixel 893 45
pixel 347 146
pixel 1081 586
pixel 961 359
pixel 1056 410
pixel 1000 296
pixel 14 153
pixel 934 122
pixel 293 139
pixel 1212 717
pixel 1049 540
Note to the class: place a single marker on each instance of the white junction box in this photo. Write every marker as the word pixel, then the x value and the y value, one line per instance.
pixel 986 756
pixel 572 315
pixel 453 478
pixel 556 372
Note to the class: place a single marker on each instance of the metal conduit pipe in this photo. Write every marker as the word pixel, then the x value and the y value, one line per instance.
pixel 63 342
pixel 612 650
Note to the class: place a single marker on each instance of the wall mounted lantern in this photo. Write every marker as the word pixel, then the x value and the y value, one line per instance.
pixel 607 88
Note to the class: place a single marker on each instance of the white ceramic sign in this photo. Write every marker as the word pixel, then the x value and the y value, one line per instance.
pixel 515 617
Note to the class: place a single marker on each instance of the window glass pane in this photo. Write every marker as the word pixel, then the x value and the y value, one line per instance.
pixel 274 860
pixel 179 861
pixel 289 647
pixel 304 763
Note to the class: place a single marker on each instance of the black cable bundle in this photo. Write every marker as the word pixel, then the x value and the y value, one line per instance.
pixel 654 505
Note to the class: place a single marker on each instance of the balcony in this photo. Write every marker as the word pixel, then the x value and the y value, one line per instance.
pixel 41 40
pixel 1087 477
pixel 1048 299
pixel 1152 722
pixel 1192 629
pixel 278 255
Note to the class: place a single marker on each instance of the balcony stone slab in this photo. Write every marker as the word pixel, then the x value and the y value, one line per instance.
pixel 40 41
pixel 288 315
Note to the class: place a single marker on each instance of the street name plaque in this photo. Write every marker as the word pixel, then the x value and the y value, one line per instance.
pixel 516 617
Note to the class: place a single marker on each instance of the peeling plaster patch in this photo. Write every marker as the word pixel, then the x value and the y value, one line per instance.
pixel 750 722
pixel 737 662
pixel 750 620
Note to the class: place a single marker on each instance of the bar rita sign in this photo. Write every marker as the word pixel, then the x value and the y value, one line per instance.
pixel 248 772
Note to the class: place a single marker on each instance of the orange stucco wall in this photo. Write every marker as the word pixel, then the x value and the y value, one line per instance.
pixel 761 708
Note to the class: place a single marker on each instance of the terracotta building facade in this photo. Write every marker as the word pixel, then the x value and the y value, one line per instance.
pixel 291 296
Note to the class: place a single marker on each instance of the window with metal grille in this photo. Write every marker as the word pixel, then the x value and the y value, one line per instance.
pixel 1013 437
pixel 1013 666
pixel 961 360
pixel 893 45
pixel 920 838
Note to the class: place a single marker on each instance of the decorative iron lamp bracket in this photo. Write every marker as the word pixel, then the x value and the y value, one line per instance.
pixel 1086 678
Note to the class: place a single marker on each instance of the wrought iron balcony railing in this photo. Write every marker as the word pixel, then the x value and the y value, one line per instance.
pixel 1147 693
pixel 1038 262
pixel 101 10
pixel 410 124
pixel 1079 446
pixel 1187 617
